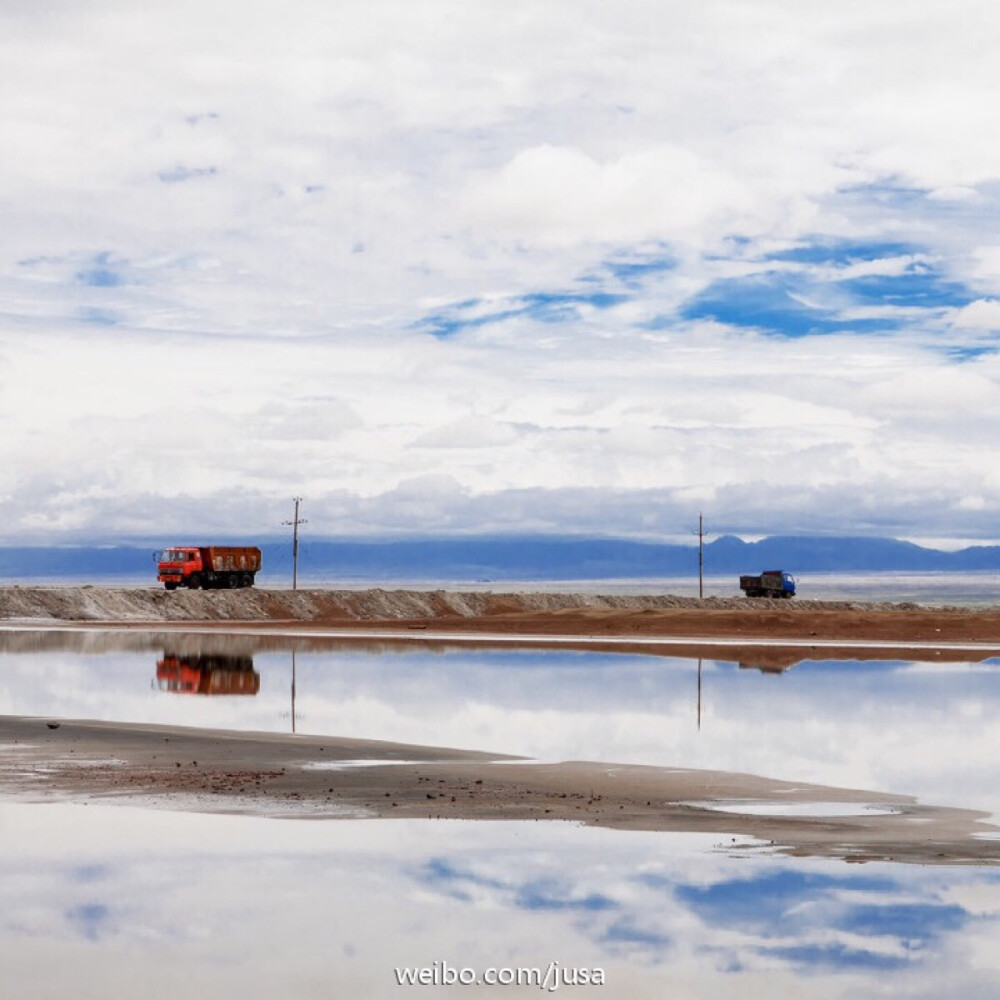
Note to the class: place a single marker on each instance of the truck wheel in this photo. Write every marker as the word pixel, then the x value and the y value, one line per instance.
pixel 249 579
pixel 232 580
pixel 246 580
pixel 194 581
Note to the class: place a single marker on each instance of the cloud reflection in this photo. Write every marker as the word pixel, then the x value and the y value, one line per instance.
pixel 217 899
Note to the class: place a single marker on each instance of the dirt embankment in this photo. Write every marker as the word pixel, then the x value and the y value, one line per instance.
pixel 93 603
pixel 525 613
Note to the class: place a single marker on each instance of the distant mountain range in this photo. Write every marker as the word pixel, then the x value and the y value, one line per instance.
pixel 518 558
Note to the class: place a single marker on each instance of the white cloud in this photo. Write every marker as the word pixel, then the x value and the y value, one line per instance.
pixel 561 196
pixel 983 314
pixel 225 230
pixel 216 433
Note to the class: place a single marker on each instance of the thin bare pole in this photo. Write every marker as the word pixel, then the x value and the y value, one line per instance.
pixel 699 695
pixel 701 556
pixel 295 522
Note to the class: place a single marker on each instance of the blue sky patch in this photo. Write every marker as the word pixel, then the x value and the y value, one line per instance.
pixel 969 353
pixel 101 272
pixel 903 920
pixel 539 894
pixel 773 302
pixel 837 956
pixel 817 290
pixel 440 872
pixel 555 307
pixel 634 273
pixel 99 277
pixel 780 904
pixel 544 307
pixel 90 919
pixel 657 322
pixel 887 194
pixel 762 903
pixel 843 253
pixel 546 895
pixel 919 286
pixel 625 932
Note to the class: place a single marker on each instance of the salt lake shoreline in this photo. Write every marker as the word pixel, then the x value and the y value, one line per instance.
pixel 330 777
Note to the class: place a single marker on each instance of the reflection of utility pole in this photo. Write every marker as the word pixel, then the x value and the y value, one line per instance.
pixel 699 695
pixel 295 522
pixel 293 690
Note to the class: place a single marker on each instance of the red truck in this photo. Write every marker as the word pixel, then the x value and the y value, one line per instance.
pixel 208 566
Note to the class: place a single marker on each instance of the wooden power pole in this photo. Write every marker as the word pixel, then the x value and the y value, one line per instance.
pixel 701 556
pixel 295 522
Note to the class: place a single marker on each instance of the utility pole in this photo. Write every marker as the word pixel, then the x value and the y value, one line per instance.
pixel 295 522
pixel 701 556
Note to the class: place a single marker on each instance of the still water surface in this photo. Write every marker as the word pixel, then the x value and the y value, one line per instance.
pixel 112 899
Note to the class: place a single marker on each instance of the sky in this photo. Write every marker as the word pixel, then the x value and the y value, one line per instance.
pixel 453 268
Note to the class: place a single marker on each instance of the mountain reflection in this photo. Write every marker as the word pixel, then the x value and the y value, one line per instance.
pixel 206 673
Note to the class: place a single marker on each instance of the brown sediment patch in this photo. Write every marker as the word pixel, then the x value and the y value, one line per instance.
pixel 328 777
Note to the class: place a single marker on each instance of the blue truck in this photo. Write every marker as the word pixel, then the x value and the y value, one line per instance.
pixel 770 583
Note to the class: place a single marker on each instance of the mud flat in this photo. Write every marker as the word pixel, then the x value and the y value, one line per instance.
pixel 330 778
pixel 541 614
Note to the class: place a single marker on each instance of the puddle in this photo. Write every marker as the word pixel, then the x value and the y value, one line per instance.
pixel 342 765
pixel 804 809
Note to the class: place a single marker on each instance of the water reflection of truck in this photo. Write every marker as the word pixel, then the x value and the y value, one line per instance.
pixel 208 566
pixel 770 583
pixel 207 673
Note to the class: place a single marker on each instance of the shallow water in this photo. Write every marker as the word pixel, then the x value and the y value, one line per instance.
pixel 925 729
pixel 96 900
pixel 161 904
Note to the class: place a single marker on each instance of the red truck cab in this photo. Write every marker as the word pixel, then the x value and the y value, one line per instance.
pixel 178 566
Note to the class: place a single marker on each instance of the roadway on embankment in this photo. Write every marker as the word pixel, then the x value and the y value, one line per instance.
pixel 662 624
